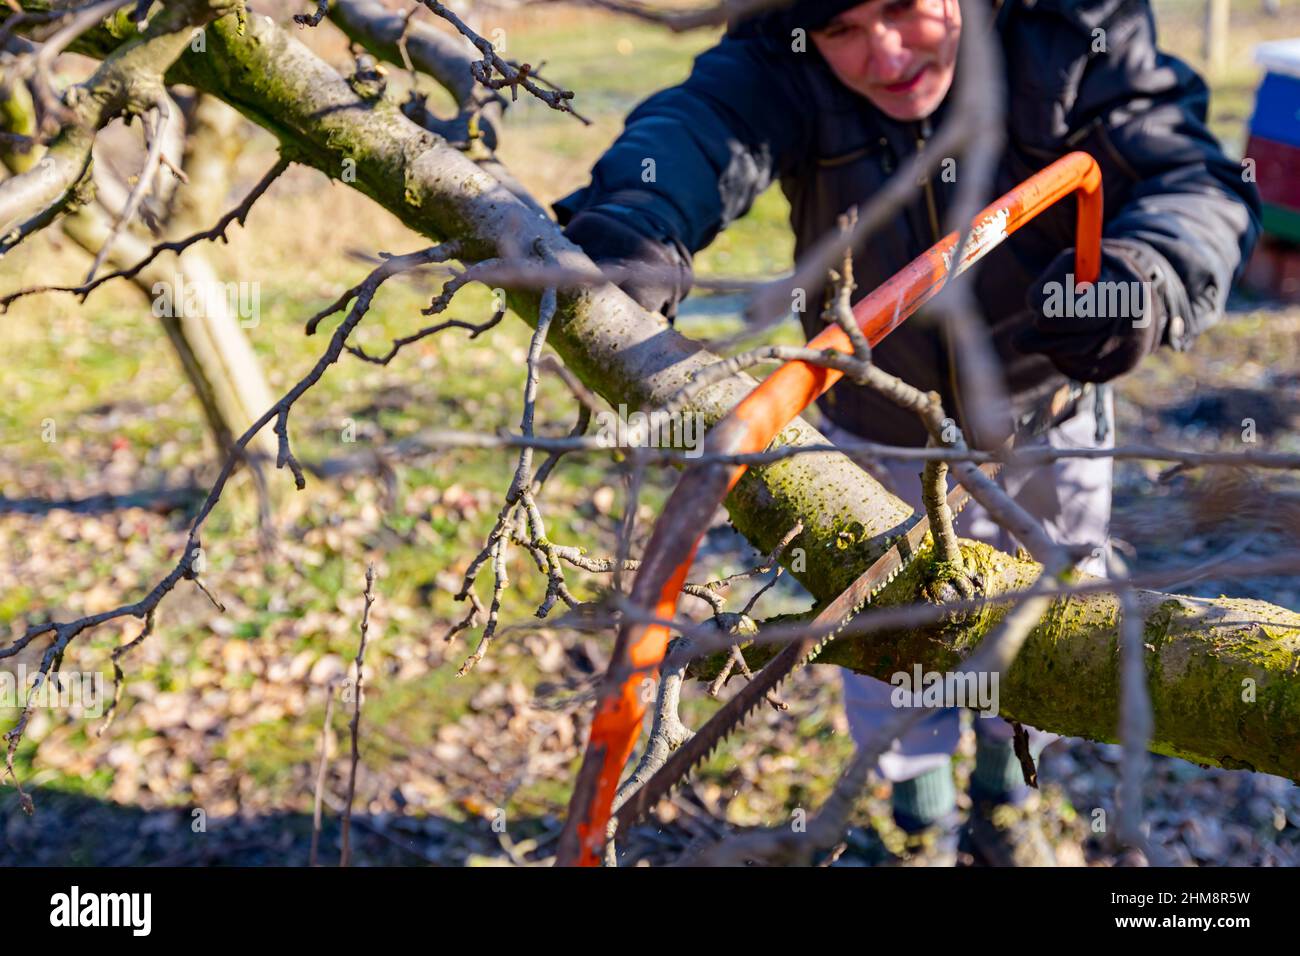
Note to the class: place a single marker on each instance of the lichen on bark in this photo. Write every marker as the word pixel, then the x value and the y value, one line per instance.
pixel 1223 673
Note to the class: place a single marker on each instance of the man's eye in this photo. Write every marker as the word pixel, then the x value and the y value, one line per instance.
pixel 835 31
pixel 896 7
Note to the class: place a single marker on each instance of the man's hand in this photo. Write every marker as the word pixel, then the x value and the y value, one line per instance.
pixel 659 278
pixel 1094 333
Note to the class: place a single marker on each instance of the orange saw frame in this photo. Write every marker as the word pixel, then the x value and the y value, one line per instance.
pixel 750 427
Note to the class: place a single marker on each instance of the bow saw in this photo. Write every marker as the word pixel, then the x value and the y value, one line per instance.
pixel 750 427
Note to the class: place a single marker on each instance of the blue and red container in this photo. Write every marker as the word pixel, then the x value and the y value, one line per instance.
pixel 1274 142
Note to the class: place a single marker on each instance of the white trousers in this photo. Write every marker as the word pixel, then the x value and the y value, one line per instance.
pixel 1071 497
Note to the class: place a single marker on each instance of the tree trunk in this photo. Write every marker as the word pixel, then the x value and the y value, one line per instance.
pixel 228 364
pixel 1214 43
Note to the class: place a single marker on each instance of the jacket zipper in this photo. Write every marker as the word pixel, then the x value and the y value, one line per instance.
pixel 923 133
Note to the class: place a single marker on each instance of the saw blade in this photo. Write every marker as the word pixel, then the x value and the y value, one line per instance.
pixel 794 655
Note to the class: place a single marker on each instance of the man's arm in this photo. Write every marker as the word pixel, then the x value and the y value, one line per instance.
pixel 1190 212
pixel 1188 219
pixel 690 160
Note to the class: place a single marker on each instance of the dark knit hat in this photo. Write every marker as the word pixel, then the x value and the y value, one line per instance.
pixel 808 14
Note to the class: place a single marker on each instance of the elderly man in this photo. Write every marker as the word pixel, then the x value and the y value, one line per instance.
pixel 830 97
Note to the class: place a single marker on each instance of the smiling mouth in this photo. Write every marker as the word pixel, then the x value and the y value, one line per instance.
pixel 907 86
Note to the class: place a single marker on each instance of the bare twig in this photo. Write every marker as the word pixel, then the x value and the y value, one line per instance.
pixel 1030 455
pixel 520 509
pixel 238 214
pixel 508 75
pixel 314 18
pixel 354 726
pixel 118 676
pixel 78 22
pixel 983 406
pixel 321 768
pixel 1135 721
pixel 152 163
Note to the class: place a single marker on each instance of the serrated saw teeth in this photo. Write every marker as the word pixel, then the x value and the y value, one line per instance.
pixel 708 738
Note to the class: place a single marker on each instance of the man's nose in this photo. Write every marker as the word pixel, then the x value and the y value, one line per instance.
pixel 887 56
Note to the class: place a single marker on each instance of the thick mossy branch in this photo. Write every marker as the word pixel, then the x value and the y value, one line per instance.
pixel 1224 673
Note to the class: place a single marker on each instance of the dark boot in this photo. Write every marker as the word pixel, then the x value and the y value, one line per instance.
pixel 926 821
pixel 1007 832
pixel 1004 827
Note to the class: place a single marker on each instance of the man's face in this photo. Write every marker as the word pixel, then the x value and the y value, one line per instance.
pixel 899 54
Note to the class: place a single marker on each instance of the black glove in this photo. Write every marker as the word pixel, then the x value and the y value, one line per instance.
pixel 1093 334
pixel 609 241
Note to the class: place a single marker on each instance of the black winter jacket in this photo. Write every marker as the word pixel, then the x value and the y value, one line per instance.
pixel 754 110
